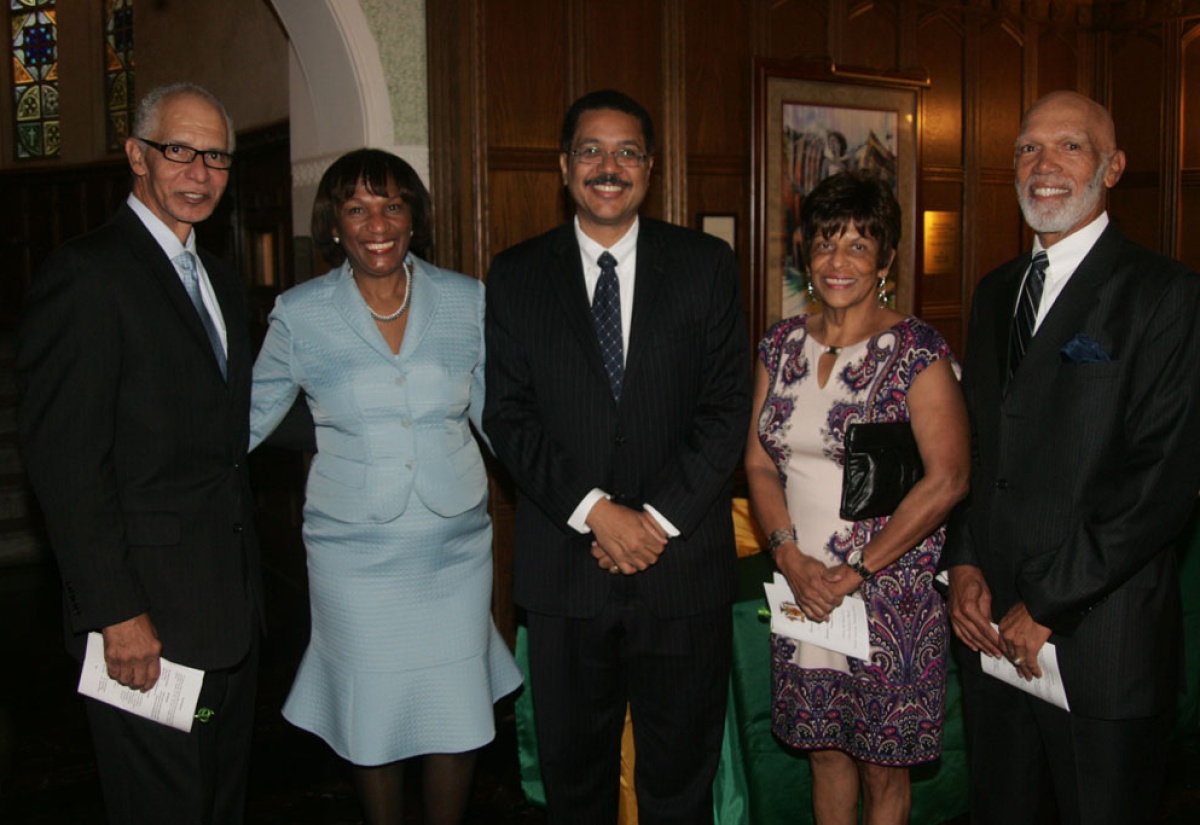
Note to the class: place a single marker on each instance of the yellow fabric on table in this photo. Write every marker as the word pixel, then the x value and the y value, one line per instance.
pixel 746 535
pixel 749 540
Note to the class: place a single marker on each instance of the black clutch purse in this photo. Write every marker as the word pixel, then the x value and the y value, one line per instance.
pixel 882 465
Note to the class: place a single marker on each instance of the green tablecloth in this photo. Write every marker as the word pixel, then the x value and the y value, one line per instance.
pixel 760 782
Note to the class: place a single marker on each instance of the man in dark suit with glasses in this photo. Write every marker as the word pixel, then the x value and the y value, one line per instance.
pixel 134 362
pixel 618 395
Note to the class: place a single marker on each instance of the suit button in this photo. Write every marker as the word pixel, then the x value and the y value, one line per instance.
pixel 400 381
pixel 1001 484
pixel 406 422
pixel 237 527
pixel 619 441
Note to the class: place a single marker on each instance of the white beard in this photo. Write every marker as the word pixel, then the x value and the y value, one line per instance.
pixel 1056 218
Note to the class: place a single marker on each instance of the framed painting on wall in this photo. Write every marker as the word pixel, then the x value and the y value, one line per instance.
pixel 811 122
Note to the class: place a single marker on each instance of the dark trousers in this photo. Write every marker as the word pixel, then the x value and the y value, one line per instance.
pixel 154 774
pixel 1033 763
pixel 674 674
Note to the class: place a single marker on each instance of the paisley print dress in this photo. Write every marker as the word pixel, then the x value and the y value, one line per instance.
pixel 888 709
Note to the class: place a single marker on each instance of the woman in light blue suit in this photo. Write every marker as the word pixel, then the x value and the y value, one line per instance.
pixel 404 659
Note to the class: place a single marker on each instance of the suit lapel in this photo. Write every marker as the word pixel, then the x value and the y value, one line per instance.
pixel 160 269
pixel 422 308
pixel 571 293
pixel 649 284
pixel 353 309
pixel 1071 308
pixel 1004 309
pixel 237 352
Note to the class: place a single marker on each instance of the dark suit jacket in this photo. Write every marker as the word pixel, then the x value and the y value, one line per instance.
pixel 673 441
pixel 1085 471
pixel 136 446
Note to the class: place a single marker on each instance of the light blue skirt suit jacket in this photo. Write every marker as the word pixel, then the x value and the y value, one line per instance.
pixel 404 658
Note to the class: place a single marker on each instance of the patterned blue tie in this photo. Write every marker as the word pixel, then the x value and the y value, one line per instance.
pixel 606 316
pixel 186 266
pixel 1027 310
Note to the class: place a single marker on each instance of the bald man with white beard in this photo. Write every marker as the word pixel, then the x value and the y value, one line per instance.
pixel 1082 379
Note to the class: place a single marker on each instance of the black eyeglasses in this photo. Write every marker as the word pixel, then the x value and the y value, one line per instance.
pixel 592 155
pixel 178 153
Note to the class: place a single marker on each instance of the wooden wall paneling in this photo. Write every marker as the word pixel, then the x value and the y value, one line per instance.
pixel 525 53
pixel 718 57
pixel 672 131
pixel 940 46
pixel 1170 151
pixel 1057 61
pixel 1000 225
pixel 1135 82
pixel 1001 99
pixel 971 124
pixel 1189 198
pixel 1189 96
pixel 524 202
pixel 456 135
pixel 939 41
pixel 796 29
pixel 870 35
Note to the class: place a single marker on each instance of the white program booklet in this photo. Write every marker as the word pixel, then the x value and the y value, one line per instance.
pixel 845 631
pixel 172 700
pixel 1048 687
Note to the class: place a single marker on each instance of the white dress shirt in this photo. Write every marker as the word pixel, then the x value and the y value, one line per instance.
pixel 1064 258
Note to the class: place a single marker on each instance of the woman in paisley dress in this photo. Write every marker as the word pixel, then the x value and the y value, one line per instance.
pixel 863 722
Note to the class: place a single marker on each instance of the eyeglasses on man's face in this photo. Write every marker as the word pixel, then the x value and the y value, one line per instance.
pixel 592 155
pixel 179 153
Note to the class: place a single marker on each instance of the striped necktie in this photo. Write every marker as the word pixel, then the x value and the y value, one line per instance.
pixel 1027 310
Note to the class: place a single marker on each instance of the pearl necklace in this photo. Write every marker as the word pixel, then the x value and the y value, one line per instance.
pixel 408 270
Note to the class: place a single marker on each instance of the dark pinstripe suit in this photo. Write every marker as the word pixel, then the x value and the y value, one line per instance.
pixel 1085 471
pixel 673 441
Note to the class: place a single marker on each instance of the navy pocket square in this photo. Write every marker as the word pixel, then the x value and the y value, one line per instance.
pixel 1083 349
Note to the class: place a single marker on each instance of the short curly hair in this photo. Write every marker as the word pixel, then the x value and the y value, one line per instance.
pixel 857 198
pixel 375 169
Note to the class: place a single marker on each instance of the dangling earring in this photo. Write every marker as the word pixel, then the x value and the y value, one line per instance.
pixel 812 293
pixel 882 294
pixel 336 239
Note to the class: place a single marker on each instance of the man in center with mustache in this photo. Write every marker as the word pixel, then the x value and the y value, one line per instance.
pixel 618 397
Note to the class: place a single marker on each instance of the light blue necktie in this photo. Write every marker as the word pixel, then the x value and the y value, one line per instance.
pixel 606 316
pixel 186 265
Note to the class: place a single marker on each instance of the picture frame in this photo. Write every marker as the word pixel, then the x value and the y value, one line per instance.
pixel 812 121
pixel 723 226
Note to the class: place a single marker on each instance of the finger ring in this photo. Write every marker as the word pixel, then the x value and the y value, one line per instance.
pixel 615 569
pixel 1017 662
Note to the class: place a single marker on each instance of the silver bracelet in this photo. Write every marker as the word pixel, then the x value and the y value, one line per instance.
pixel 778 537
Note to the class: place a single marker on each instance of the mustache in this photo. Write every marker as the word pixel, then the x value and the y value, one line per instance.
pixel 606 179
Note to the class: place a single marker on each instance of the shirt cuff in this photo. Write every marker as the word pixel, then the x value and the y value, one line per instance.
pixel 662 520
pixel 578 519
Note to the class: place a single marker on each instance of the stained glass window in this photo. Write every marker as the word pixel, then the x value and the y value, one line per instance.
pixel 118 69
pixel 35 77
